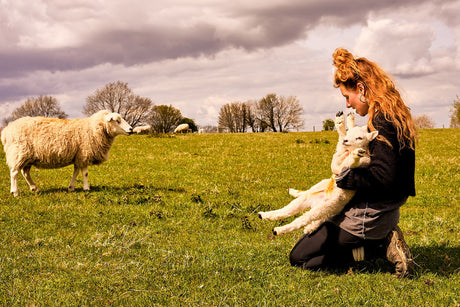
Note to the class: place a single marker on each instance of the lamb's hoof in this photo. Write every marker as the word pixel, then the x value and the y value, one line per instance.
pixel 274 232
pixel 359 152
pixel 260 216
pixel 15 194
pixel 340 113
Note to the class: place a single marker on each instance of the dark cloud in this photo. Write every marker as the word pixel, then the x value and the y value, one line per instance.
pixel 259 27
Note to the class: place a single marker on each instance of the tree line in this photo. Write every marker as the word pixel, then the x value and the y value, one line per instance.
pixel 271 113
pixel 115 97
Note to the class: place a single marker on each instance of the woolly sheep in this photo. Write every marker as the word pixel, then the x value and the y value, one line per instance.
pixel 142 129
pixel 325 199
pixel 54 143
pixel 181 128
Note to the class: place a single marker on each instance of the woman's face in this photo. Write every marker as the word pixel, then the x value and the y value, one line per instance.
pixel 352 100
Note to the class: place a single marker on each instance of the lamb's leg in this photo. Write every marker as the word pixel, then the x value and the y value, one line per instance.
pixel 350 120
pixel 319 213
pixel 340 124
pixel 296 193
pixel 299 204
pixel 359 158
pixel 26 173
pixel 84 172
pixel 14 181
pixel 320 186
pixel 76 170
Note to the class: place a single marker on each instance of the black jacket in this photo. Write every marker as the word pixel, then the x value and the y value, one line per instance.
pixel 390 175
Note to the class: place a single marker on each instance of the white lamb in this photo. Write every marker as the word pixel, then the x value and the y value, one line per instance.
pixel 54 143
pixel 325 199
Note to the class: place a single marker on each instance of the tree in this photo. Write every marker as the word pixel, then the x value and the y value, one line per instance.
pixel 328 125
pixel 280 113
pixel 164 118
pixel 455 114
pixel 118 97
pixel 46 106
pixel 423 122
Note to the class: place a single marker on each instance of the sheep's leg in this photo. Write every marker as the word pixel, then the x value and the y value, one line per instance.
pixel 76 170
pixel 84 172
pixel 26 173
pixel 14 181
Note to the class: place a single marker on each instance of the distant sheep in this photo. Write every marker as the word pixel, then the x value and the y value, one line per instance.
pixel 142 129
pixel 182 128
pixel 54 143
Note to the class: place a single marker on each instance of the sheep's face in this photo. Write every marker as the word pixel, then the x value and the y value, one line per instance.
pixel 358 137
pixel 116 125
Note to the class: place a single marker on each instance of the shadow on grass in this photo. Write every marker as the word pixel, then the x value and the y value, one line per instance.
pixel 116 189
pixel 441 260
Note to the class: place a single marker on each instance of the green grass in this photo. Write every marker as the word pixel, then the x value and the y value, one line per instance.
pixel 172 221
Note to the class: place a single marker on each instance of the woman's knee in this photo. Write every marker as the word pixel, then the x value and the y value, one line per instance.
pixel 296 259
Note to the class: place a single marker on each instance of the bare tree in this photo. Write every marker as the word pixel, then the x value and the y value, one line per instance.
pixel 226 118
pixel 164 118
pixel 235 116
pixel 455 114
pixel 423 122
pixel 118 97
pixel 266 110
pixel 280 113
pixel 46 106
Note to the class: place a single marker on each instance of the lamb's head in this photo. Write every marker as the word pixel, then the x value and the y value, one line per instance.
pixel 116 125
pixel 358 137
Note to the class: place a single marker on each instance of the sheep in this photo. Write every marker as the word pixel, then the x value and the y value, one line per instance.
pixel 54 143
pixel 142 129
pixel 182 128
pixel 325 199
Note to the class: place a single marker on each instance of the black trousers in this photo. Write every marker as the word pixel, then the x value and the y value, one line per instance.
pixel 331 247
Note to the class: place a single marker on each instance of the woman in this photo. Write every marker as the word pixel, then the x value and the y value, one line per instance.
pixel 367 226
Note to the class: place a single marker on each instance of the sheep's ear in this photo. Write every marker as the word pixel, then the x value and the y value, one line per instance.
pixel 373 135
pixel 109 117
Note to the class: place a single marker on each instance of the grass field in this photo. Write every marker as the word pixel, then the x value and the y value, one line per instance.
pixel 172 221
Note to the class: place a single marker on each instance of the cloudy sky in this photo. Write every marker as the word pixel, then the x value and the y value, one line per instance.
pixel 200 54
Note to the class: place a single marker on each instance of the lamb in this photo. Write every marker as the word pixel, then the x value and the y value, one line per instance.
pixel 325 199
pixel 54 143
pixel 182 128
pixel 142 129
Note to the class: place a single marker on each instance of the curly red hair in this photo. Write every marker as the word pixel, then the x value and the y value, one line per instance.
pixel 380 90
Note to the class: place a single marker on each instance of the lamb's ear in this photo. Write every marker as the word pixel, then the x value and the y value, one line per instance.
pixel 373 135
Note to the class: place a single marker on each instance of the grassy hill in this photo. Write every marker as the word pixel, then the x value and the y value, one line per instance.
pixel 172 221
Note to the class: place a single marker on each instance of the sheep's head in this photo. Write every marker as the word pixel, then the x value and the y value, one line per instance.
pixel 116 125
pixel 359 137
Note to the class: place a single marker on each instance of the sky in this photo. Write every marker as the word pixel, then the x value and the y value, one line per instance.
pixel 198 55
